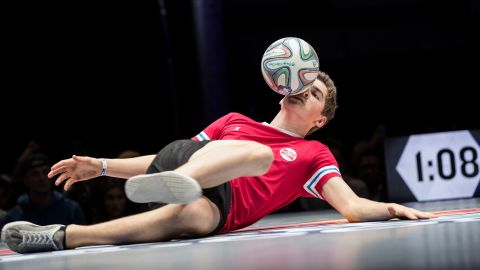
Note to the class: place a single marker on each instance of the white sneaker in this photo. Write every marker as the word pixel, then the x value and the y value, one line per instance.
pixel 166 187
pixel 26 237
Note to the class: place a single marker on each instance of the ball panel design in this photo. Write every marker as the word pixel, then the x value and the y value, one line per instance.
pixel 289 66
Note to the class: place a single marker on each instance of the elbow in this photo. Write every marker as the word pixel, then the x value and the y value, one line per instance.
pixel 353 218
pixel 352 213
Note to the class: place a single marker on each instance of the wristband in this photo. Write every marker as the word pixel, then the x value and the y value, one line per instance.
pixel 104 167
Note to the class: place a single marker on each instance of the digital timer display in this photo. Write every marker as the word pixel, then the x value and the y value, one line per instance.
pixel 446 164
pixel 433 166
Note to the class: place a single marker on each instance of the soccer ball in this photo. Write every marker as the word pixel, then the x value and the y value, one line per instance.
pixel 290 65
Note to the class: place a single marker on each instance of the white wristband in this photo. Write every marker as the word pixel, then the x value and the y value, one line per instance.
pixel 104 167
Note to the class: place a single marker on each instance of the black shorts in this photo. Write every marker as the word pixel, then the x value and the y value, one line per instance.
pixel 179 152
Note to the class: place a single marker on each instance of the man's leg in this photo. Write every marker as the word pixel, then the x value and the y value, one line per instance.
pixel 213 164
pixel 220 161
pixel 196 219
pixel 169 222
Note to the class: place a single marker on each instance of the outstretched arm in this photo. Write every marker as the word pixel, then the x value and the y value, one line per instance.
pixel 341 197
pixel 83 168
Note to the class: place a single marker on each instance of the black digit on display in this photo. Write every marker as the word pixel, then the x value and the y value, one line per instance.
pixel 419 167
pixel 441 172
pixel 472 170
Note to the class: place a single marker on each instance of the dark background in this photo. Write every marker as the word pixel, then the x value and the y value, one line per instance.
pixel 98 77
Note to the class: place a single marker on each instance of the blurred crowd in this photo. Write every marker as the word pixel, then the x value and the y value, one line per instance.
pixel 28 194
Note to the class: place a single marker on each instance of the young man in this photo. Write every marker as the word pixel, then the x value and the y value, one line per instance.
pixel 229 176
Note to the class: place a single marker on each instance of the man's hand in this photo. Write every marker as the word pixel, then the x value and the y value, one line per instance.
pixel 75 169
pixel 403 212
pixel 356 209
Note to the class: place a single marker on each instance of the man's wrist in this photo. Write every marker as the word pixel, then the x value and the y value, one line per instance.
pixel 103 171
pixel 391 209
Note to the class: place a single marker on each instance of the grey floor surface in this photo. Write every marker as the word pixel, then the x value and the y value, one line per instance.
pixel 449 242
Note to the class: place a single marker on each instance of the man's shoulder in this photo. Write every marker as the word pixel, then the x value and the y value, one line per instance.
pixel 315 149
pixel 235 116
pixel 315 145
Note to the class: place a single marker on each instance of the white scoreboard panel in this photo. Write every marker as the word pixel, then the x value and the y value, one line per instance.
pixel 434 166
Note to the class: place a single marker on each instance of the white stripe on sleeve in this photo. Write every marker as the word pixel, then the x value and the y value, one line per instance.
pixel 316 177
pixel 202 136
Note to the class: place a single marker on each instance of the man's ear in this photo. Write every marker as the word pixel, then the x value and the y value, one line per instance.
pixel 321 122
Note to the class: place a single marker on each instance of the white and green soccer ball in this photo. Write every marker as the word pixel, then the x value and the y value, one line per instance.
pixel 290 65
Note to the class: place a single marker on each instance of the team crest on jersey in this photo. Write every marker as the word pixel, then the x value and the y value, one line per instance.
pixel 288 154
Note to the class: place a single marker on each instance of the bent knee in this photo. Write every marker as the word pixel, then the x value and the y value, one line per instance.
pixel 261 155
pixel 265 158
pixel 198 218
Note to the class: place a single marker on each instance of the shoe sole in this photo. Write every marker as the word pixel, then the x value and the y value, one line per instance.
pixel 166 187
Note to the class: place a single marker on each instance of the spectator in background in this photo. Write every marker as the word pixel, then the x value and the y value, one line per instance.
pixel 7 192
pixel 40 203
pixel 372 143
pixel 7 196
pixel 369 163
pixel 132 206
pixel 83 195
pixel 111 202
pixel 371 169
pixel 358 185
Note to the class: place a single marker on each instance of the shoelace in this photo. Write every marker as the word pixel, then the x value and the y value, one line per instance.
pixel 37 238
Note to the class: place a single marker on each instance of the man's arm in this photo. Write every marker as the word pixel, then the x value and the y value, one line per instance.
pixel 128 167
pixel 83 168
pixel 338 194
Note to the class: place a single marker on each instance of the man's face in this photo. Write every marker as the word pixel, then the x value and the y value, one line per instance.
pixel 115 202
pixel 308 106
pixel 36 179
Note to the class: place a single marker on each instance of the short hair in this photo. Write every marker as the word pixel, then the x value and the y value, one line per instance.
pixel 31 161
pixel 331 98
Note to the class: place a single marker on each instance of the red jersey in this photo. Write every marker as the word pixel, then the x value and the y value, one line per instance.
pixel 300 168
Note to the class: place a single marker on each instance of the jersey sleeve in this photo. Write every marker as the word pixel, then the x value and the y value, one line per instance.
pixel 323 168
pixel 214 130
